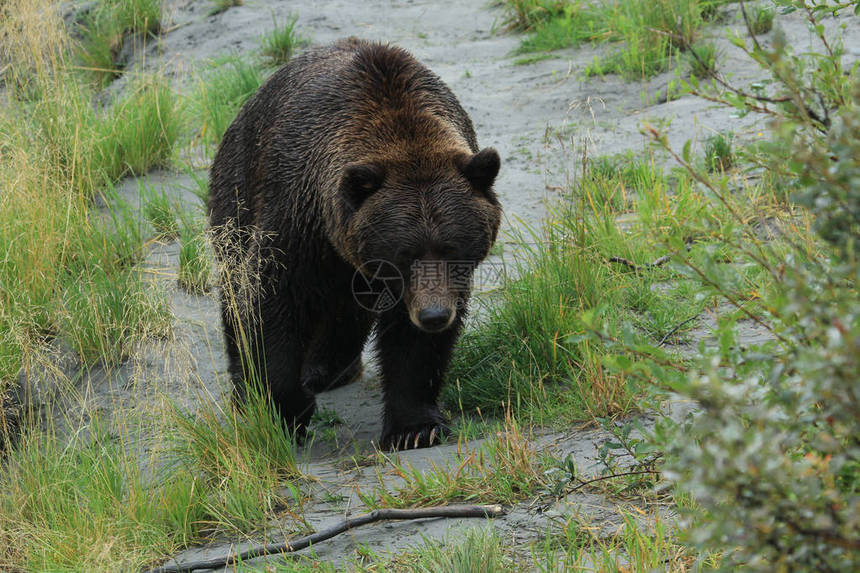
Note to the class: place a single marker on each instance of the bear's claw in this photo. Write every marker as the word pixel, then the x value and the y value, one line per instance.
pixel 412 439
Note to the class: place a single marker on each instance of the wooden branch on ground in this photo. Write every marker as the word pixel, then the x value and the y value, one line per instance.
pixel 345 525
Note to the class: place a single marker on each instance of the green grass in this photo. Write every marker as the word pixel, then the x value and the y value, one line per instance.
pixel 532 351
pixel 103 314
pixel 141 130
pixel 60 259
pixel 221 93
pixel 84 505
pixel 102 500
pixel 245 458
pixel 719 155
pixel 160 211
pixel 505 469
pixel 108 24
pixel 473 551
pixel 576 546
pixel 200 186
pixel 195 270
pixel 529 14
pixel 570 25
pixel 760 19
pixel 68 268
pixel 649 34
pixel 277 46
pixel 702 60
pixel 220 6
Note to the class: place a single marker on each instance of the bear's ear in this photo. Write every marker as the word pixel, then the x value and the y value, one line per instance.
pixel 360 181
pixel 481 170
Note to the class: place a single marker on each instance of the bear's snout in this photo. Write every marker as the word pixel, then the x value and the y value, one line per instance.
pixel 435 318
pixel 432 312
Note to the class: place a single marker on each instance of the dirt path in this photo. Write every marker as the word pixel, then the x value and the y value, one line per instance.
pixel 541 117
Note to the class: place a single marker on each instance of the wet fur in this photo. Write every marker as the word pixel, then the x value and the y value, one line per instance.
pixel 351 153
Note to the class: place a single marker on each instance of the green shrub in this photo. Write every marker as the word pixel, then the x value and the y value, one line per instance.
pixel 772 456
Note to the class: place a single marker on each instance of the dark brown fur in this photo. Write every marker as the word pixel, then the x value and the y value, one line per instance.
pixel 353 153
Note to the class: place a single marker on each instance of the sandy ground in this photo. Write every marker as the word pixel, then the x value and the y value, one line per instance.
pixel 541 117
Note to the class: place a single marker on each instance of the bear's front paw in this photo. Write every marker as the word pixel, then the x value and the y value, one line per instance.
pixel 413 437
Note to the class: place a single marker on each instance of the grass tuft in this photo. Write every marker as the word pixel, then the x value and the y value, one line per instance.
pixel 505 469
pixel 526 15
pixel 140 131
pixel 221 94
pixel 473 551
pixel 195 271
pixel 220 6
pixel 718 152
pixel 104 30
pixel 160 212
pixel 568 25
pixel 103 314
pixel 702 60
pixel 244 457
pixel 761 19
pixel 277 46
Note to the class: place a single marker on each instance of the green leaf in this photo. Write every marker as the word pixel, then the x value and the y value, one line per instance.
pixel 686 152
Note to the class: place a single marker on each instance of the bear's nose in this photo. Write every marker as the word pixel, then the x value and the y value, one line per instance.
pixel 434 318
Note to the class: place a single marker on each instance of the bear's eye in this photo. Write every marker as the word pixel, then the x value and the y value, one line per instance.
pixel 360 181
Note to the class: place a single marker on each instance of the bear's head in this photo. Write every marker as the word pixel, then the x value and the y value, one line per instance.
pixel 433 219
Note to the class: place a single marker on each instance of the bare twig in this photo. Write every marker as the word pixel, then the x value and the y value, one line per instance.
pixel 347 524
pixel 676 329
pixel 582 484
pixel 658 262
pixel 630 264
pixel 820 123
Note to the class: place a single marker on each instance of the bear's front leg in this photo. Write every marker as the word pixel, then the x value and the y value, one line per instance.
pixel 413 367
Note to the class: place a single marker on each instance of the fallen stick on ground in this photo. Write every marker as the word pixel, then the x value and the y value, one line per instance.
pixel 345 525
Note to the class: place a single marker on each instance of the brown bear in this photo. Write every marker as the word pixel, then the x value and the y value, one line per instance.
pixel 353 164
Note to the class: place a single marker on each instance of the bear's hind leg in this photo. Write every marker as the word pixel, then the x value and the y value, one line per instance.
pixel 333 358
pixel 271 360
pixel 294 402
